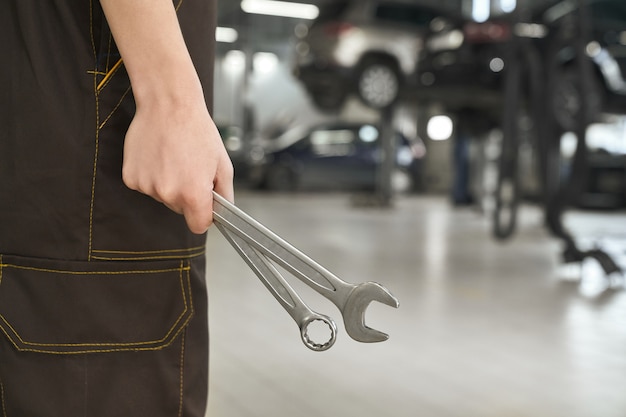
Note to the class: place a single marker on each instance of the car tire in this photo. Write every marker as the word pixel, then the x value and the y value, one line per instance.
pixel 567 100
pixel 378 83
pixel 281 178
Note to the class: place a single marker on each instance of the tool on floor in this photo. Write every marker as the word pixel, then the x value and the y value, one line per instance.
pixel 259 246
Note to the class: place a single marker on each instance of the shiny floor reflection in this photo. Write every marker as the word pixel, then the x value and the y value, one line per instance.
pixel 484 328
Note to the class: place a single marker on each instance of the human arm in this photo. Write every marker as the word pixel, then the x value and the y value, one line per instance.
pixel 172 151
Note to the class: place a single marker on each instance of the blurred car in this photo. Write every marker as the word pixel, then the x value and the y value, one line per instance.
pixel 367 47
pixel 461 65
pixel 335 156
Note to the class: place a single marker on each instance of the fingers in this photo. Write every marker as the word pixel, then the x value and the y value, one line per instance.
pixel 198 212
pixel 198 209
pixel 223 183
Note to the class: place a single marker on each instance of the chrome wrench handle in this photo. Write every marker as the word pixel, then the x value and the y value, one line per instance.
pixel 282 291
pixel 280 251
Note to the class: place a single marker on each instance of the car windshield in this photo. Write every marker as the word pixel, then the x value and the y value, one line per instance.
pixel 405 14
pixel 331 10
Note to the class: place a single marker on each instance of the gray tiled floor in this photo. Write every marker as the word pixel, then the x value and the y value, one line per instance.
pixel 484 328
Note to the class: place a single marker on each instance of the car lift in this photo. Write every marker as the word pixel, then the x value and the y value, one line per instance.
pixel 558 192
pixel 534 70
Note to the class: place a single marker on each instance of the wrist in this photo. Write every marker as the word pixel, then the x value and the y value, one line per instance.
pixel 171 86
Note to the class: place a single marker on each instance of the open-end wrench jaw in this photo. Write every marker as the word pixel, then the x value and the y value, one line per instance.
pixel 354 311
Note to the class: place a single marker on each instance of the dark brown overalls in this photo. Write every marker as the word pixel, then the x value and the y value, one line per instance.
pixel 102 289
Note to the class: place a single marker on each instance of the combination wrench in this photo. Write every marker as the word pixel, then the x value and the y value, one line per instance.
pixel 259 247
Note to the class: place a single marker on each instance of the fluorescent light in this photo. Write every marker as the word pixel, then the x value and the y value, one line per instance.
pixel 234 61
pixel 480 10
pixel 226 35
pixel 280 8
pixel 508 6
pixel 264 62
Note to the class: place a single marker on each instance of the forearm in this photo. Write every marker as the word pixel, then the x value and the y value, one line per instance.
pixel 151 43
pixel 172 149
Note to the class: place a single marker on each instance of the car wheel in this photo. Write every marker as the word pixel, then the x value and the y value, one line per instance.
pixel 281 178
pixel 567 102
pixel 378 83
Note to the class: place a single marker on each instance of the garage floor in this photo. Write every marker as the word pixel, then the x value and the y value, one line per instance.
pixel 484 328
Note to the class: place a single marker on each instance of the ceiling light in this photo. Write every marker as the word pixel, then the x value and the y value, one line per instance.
pixel 440 127
pixel 280 8
pixel 226 35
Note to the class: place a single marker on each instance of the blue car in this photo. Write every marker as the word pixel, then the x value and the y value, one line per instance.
pixel 338 156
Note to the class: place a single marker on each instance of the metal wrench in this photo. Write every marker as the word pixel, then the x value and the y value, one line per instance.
pixel 256 244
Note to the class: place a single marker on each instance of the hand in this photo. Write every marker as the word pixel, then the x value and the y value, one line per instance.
pixel 176 155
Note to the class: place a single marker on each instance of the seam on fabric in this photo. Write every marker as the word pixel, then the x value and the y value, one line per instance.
pixel 109 74
pixel 182 368
pixel 97 133
pixel 182 373
pixel 146 258
pixel 62 271
pixel 115 108
pixel 196 248
pixel 4 407
pixel 118 347
pixel 163 254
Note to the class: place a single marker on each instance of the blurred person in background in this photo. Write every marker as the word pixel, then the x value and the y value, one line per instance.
pixel 108 159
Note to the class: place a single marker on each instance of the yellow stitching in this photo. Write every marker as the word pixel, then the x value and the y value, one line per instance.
pixel 107 344
pixel 129 345
pixel 1 265
pixel 4 408
pixel 145 258
pixel 109 75
pixel 115 108
pixel 182 351
pixel 150 251
pixel 179 4
pixel 188 269
pixel 97 136
pixel 93 42
pixel 96 72
pixel 61 271
pixel 76 352
pixel 182 372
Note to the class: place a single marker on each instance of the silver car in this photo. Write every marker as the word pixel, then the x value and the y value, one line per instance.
pixel 367 47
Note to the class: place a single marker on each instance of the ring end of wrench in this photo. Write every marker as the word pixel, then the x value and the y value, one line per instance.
pixel 308 342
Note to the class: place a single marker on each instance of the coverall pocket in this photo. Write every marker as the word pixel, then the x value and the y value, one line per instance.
pixel 98 339
pixel 67 307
